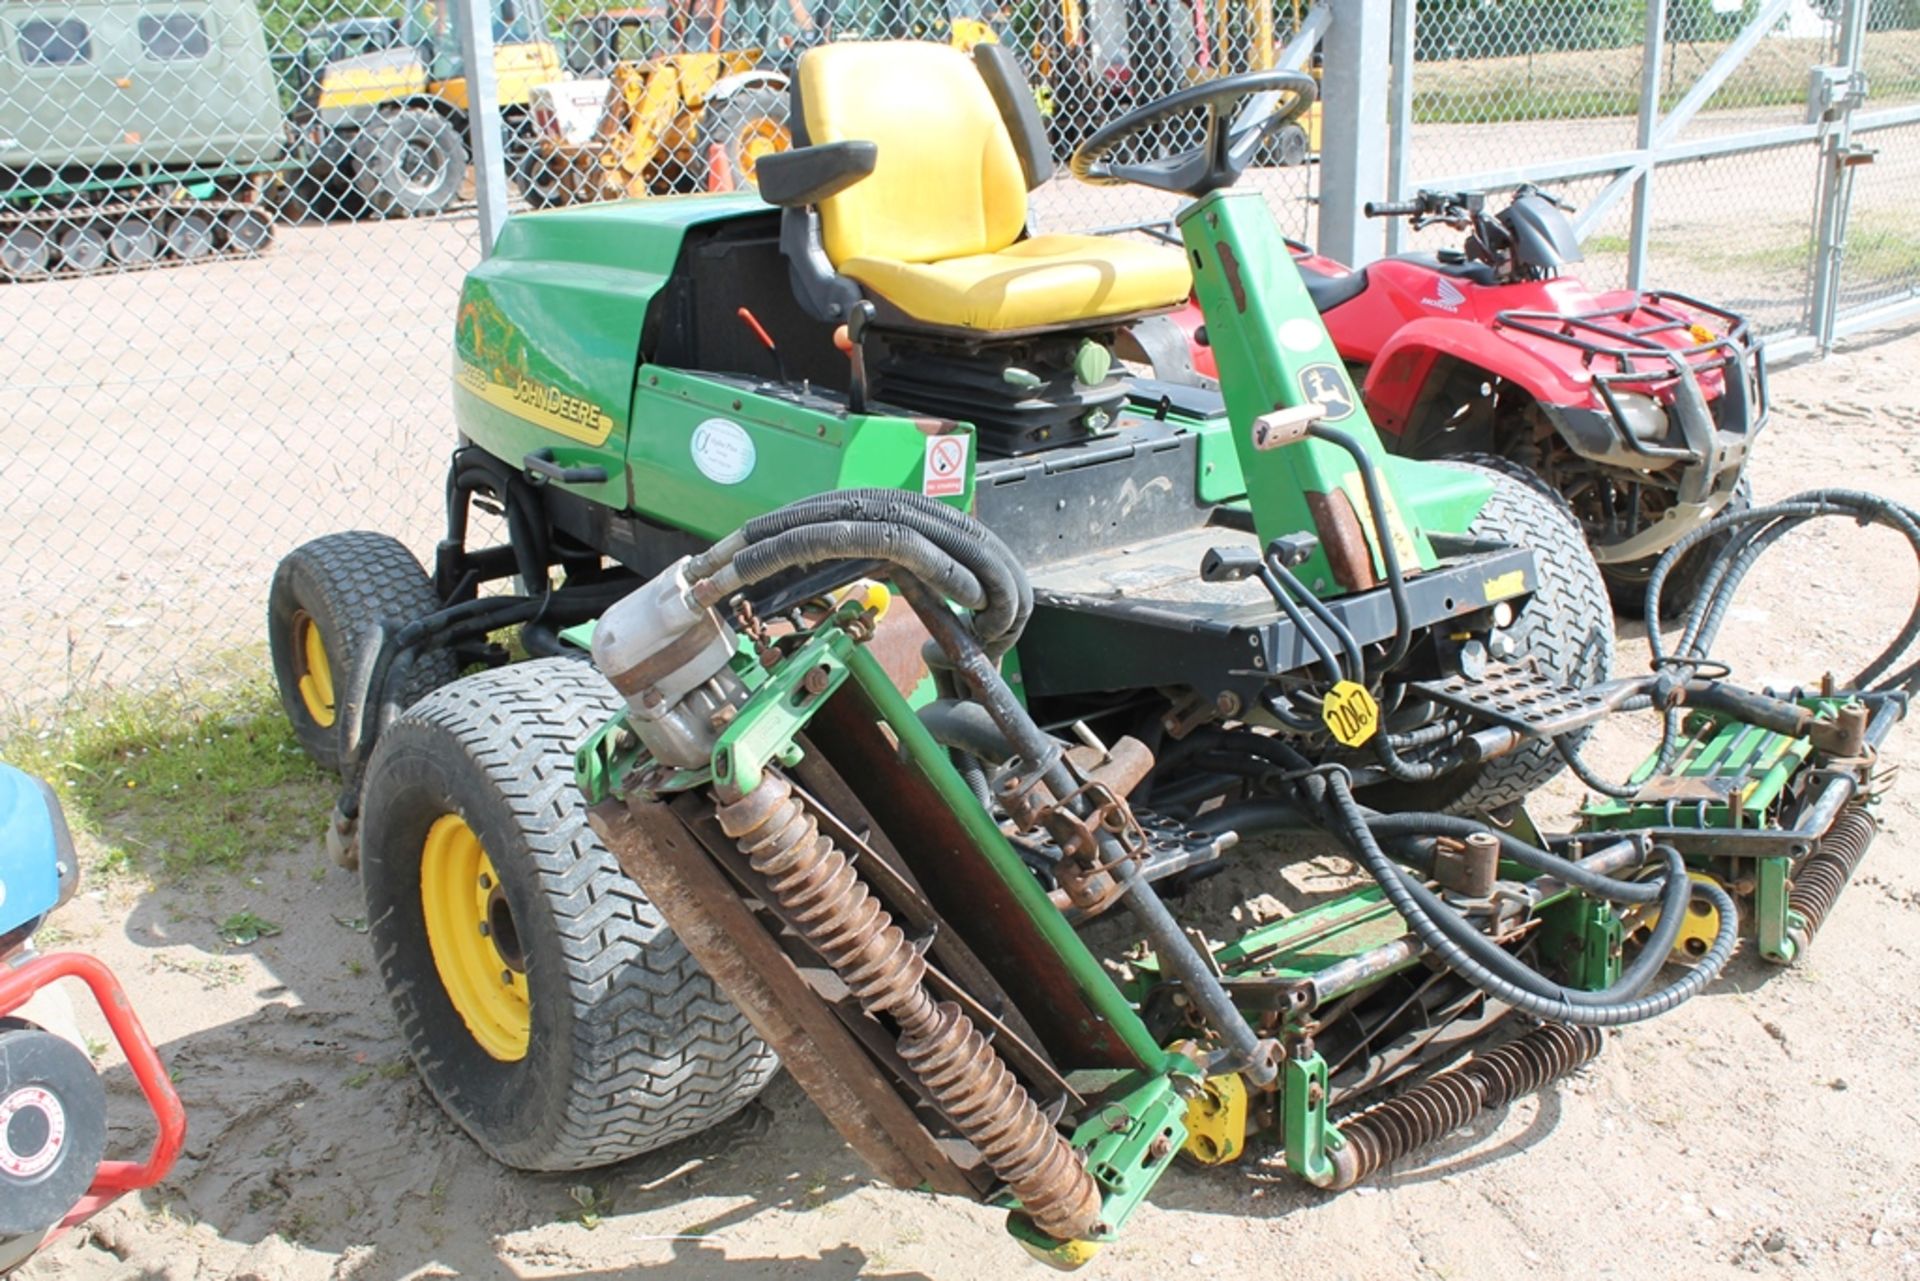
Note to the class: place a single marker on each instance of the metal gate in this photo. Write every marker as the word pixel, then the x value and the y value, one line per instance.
pixel 1765 156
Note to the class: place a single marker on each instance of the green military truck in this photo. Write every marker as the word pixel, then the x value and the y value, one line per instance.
pixel 133 133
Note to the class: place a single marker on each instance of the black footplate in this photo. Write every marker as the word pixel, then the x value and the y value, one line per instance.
pixel 1518 698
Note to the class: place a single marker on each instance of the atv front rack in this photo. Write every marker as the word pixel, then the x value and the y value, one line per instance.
pixel 1629 349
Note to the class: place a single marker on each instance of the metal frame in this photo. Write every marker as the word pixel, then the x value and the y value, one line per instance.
pixel 483 110
pixel 1658 142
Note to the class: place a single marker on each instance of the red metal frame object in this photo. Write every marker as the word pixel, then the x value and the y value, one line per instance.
pixel 114 1178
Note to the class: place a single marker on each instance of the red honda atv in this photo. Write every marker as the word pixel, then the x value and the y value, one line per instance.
pixel 1636 408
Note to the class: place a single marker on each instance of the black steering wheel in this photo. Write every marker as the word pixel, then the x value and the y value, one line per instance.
pixel 1220 157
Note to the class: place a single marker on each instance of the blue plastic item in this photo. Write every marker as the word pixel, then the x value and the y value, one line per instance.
pixel 37 870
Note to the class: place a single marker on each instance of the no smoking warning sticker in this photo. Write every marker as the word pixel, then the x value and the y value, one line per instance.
pixel 945 473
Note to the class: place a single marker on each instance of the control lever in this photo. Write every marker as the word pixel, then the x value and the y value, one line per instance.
pixel 851 339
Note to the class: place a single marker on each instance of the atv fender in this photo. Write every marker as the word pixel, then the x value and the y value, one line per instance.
pixel 1404 373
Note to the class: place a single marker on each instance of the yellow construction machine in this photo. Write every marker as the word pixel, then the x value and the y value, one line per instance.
pixel 383 120
pixel 660 104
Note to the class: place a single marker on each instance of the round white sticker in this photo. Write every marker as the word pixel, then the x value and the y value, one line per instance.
pixel 1301 334
pixel 49 1136
pixel 723 451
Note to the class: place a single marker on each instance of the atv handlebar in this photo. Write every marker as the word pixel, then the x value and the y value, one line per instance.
pixel 1392 208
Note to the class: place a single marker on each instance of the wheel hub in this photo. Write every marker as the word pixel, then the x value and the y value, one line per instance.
pixel 313 669
pixel 474 939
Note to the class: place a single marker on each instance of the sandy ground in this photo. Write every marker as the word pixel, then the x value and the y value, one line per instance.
pixel 1766 1129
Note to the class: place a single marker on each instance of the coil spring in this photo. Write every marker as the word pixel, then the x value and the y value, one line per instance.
pixel 824 897
pixel 1818 882
pixel 1441 1104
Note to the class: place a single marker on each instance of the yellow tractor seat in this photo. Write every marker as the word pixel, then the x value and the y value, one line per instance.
pixel 1031 284
pixel 935 231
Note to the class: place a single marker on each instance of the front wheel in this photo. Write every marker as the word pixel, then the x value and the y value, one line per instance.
pixel 1628 582
pixel 547 1005
pixel 326 595
pixel 410 164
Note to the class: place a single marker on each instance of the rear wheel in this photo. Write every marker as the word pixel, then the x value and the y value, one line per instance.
pixel 411 163
pixel 544 1000
pixel 750 124
pixel 1566 626
pixel 325 595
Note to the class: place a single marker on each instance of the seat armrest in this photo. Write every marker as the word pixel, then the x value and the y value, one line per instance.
pixel 808 175
pixel 824 293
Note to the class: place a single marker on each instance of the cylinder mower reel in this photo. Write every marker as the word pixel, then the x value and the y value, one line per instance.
pixel 53 1106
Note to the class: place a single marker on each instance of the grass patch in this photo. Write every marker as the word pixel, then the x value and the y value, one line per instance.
pixel 1880 246
pixel 1594 83
pixel 175 782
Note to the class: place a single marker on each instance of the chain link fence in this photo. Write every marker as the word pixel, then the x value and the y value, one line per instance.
pixel 1518 88
pixel 232 232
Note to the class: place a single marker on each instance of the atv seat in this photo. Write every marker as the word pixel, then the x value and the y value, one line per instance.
pixel 1329 291
pixel 912 172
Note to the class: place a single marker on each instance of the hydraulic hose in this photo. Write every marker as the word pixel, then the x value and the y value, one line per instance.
pixel 1507 979
pixel 1389 555
pixel 897 545
pixel 1754 531
pixel 1350 646
pixel 962 537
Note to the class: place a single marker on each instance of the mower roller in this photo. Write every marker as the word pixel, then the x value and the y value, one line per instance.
pixel 926 635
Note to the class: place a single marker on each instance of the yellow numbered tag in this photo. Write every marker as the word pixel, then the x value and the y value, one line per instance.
pixel 1351 714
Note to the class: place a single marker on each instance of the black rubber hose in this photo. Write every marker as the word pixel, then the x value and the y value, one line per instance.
pixel 973 775
pixel 1291 608
pixel 959 535
pixel 841 540
pixel 1356 657
pixel 1511 981
pixel 966 726
pixel 1389 555
pixel 1512 847
pixel 1675 889
pixel 1754 531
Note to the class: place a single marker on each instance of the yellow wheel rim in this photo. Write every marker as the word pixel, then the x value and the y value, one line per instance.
pixel 475 943
pixel 761 138
pixel 315 670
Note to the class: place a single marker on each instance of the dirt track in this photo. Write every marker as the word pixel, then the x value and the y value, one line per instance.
pixel 1767 1129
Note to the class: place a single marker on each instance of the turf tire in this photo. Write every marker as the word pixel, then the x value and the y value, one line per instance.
pixel 1566 625
pixel 345 583
pixel 631 1045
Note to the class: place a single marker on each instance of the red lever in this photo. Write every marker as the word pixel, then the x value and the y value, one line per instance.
pixel 766 339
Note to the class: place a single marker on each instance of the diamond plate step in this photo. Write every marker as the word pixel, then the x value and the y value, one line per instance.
pixel 1518 698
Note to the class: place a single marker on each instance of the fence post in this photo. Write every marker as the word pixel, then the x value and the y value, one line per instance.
pixel 1649 129
pixel 1353 128
pixel 1836 189
pixel 484 134
pixel 1400 122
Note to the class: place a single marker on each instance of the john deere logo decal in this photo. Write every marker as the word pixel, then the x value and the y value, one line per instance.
pixel 1326 385
pixel 542 404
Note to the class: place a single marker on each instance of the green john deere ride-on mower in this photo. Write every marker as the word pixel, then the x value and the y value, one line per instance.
pixel 885 633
